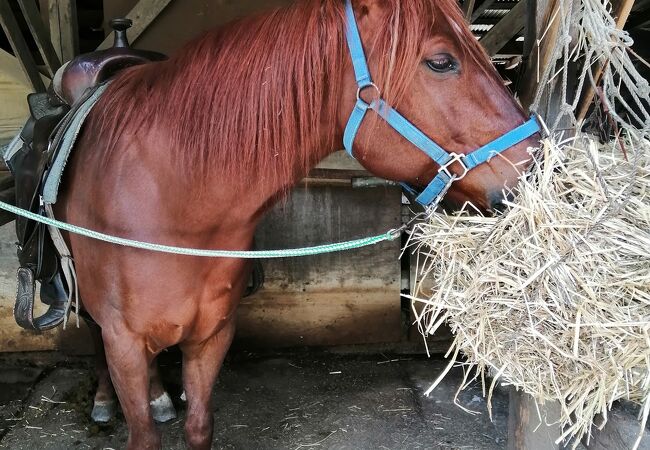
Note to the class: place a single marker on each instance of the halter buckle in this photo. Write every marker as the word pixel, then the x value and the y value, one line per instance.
pixel 367 86
pixel 454 158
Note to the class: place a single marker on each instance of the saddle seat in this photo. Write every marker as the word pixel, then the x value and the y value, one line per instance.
pixel 75 77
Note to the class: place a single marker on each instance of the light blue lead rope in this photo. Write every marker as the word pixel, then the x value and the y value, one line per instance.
pixel 257 254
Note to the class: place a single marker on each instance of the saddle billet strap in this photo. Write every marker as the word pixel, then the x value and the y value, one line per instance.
pixel 67 267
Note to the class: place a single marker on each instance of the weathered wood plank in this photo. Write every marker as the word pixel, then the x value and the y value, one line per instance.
pixel 275 318
pixel 505 30
pixel 142 15
pixel 19 46
pixel 64 29
pixel 340 161
pixel 341 298
pixel 478 12
pixel 40 35
pixel 525 430
pixel 468 9
pixel 547 23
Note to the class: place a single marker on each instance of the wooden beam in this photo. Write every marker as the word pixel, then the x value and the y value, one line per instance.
pixel 547 22
pixel 64 29
pixel 20 47
pixel 142 15
pixel 40 35
pixel 505 30
pixel 468 9
pixel 621 16
pixel 478 12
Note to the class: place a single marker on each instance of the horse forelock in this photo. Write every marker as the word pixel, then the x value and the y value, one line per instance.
pixel 256 94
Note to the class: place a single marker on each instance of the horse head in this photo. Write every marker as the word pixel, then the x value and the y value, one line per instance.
pixel 426 64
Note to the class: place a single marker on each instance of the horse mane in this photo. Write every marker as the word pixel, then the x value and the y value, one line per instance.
pixel 261 93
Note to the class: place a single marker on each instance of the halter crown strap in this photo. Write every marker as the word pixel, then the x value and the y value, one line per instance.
pixel 359 61
pixel 439 186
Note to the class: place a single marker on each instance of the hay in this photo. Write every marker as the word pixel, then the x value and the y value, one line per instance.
pixel 552 297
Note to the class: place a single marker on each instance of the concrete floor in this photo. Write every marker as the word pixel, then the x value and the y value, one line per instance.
pixel 289 400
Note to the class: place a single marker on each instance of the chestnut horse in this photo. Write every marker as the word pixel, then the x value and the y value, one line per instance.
pixel 194 150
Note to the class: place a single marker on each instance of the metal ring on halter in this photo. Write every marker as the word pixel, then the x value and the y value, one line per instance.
pixel 455 158
pixel 370 85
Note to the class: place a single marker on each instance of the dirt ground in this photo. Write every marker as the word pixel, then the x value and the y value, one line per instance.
pixel 304 399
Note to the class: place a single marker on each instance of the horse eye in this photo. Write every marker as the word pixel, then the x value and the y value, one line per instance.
pixel 442 63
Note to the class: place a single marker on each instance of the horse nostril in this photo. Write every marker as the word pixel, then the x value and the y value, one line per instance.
pixel 498 201
pixel 498 207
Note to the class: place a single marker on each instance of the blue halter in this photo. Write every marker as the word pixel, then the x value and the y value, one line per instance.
pixel 437 189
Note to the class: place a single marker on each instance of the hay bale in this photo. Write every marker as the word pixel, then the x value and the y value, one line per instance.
pixel 553 296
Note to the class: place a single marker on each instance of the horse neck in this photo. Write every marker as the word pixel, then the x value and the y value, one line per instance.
pixel 264 192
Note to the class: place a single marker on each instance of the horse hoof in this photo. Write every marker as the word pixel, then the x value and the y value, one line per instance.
pixel 104 411
pixel 162 409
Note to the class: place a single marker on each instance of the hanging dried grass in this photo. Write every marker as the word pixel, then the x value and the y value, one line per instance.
pixel 552 297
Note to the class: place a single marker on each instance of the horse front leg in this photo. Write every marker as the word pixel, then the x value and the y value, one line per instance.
pixel 128 362
pixel 201 365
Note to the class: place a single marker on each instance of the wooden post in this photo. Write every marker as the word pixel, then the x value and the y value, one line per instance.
pixel 468 9
pixel 19 46
pixel 525 430
pixel 40 35
pixel 142 14
pixel 64 29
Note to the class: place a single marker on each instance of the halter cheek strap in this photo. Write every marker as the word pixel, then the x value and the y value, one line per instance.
pixel 439 186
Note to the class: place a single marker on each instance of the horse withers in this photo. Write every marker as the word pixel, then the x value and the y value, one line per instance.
pixel 193 151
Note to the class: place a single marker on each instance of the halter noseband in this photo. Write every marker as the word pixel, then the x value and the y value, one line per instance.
pixel 436 190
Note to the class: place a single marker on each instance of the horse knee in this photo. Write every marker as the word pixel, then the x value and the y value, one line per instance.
pixel 198 431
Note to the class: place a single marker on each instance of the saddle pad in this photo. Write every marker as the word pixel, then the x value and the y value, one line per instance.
pixel 66 143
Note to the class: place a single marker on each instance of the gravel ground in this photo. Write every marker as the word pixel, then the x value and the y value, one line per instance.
pixel 288 400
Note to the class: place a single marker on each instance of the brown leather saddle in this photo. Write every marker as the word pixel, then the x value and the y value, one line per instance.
pixel 50 113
